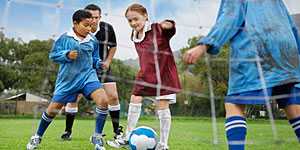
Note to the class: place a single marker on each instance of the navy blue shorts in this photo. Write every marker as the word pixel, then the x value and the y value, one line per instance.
pixel 87 90
pixel 284 95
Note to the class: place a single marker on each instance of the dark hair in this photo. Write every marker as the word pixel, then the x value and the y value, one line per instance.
pixel 137 8
pixel 81 14
pixel 93 7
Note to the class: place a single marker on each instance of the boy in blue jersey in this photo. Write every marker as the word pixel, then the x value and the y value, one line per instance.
pixel 105 35
pixel 77 54
pixel 260 30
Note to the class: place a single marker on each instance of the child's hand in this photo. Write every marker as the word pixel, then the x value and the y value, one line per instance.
pixel 73 54
pixel 191 56
pixel 166 25
pixel 105 65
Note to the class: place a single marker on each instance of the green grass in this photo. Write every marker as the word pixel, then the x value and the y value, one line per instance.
pixel 186 134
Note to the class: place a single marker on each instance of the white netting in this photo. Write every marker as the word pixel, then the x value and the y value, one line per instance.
pixel 51 18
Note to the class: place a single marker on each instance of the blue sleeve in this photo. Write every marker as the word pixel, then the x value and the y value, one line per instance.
pixel 294 29
pixel 59 53
pixel 96 56
pixel 229 21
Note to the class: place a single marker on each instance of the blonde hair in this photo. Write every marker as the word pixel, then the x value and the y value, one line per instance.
pixel 137 8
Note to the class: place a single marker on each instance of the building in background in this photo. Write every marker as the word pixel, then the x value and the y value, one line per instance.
pixel 23 104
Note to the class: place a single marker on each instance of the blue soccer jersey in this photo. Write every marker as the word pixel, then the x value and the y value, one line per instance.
pixel 256 29
pixel 73 75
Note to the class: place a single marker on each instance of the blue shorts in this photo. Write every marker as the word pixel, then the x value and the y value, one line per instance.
pixel 284 95
pixel 87 90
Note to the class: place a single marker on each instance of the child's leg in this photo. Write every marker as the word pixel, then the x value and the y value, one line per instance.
pixel 71 110
pixel 235 126
pixel 100 98
pixel 290 104
pixel 293 115
pixel 47 117
pixel 45 121
pixel 164 116
pixel 114 105
pixel 134 112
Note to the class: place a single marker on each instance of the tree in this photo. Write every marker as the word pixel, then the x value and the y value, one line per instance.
pixel 25 66
pixel 124 75
pixel 194 79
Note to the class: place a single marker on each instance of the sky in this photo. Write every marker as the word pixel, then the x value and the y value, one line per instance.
pixel 44 19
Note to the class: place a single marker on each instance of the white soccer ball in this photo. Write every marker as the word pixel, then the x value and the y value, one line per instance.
pixel 143 138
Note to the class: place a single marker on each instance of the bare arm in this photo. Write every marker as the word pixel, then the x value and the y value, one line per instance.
pixel 111 54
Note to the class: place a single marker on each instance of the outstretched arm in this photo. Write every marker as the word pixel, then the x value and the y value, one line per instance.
pixel 168 28
pixel 229 22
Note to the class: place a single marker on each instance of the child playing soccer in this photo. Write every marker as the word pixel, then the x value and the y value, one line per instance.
pixel 157 75
pixel 77 54
pixel 259 30
pixel 105 34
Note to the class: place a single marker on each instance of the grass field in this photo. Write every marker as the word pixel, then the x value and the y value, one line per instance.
pixel 186 134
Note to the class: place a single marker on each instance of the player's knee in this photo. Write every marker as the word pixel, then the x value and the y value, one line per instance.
pixel 100 98
pixel 102 103
pixel 53 109
pixel 162 104
pixel 51 113
pixel 113 98
pixel 136 99
pixel 292 111
pixel 234 109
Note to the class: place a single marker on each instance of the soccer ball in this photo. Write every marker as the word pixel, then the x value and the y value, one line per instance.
pixel 143 138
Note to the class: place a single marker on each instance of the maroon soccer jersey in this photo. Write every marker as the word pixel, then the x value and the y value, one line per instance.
pixel 146 79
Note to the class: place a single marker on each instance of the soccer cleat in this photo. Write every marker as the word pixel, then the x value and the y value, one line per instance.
pixel 119 141
pixel 66 136
pixel 120 130
pixel 35 140
pixel 160 146
pixel 98 141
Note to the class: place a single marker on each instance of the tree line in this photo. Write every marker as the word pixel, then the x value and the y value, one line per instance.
pixel 25 67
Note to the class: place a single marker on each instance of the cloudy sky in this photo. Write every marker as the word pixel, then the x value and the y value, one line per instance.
pixel 44 19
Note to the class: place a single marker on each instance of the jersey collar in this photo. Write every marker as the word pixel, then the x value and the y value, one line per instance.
pixel 71 33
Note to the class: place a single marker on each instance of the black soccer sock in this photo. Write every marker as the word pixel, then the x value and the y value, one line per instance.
pixel 115 118
pixel 70 117
pixel 114 112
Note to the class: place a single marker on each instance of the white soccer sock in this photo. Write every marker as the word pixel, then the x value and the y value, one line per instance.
pixel 165 125
pixel 134 112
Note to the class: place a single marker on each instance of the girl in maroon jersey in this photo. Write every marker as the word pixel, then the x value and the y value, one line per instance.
pixel 157 75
